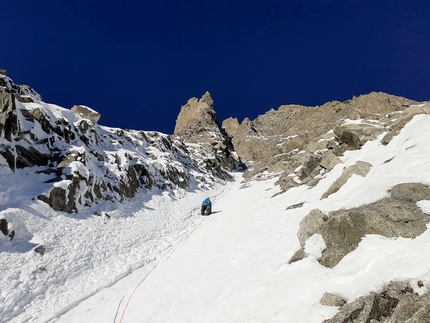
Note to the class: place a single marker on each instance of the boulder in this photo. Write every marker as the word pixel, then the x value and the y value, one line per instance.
pixel 298 255
pixel 72 156
pixel 40 249
pixel 286 182
pixel 310 166
pixel 410 192
pixel 360 168
pixel 86 113
pixel 330 299
pixel 3 227
pixel 329 160
pixel 356 135
pixel 59 200
pixel 310 225
pixel 390 217
pixel 404 118
pixel 394 216
pixel 408 114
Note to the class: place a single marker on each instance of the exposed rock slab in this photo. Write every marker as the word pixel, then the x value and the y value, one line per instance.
pixel 330 299
pixel 393 216
pixel 404 118
pixel 310 224
pixel 360 168
pixel 396 304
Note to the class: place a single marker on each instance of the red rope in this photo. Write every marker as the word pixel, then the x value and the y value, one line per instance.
pixel 171 252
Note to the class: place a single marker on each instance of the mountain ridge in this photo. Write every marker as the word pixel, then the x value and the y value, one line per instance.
pixel 88 162
pixel 82 164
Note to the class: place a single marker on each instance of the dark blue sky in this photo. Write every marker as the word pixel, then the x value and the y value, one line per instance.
pixel 137 62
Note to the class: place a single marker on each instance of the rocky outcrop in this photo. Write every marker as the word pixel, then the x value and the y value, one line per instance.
pixel 86 113
pixel 304 143
pixel 398 303
pixel 404 118
pixel 360 168
pixel 4 228
pixel 310 225
pixel 356 135
pixel 196 115
pixel 88 163
pixel 40 249
pixel 197 123
pixel 342 230
pixel 330 299
pixel 309 123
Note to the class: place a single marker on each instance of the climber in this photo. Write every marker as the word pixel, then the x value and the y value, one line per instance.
pixel 207 206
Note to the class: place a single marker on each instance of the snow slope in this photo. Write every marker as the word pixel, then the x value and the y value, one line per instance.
pixel 84 253
pixel 158 260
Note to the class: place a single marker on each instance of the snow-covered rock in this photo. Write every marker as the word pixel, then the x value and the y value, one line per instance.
pixel 87 162
pixel 356 209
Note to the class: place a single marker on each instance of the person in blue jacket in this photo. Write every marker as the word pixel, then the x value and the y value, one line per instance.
pixel 207 206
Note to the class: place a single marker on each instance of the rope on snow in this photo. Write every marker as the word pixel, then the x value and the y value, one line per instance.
pixel 168 254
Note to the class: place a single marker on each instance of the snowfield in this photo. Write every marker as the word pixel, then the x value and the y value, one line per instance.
pixel 155 259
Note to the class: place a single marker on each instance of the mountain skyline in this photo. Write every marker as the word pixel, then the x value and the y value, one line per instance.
pixel 105 223
pixel 138 63
pixel 159 246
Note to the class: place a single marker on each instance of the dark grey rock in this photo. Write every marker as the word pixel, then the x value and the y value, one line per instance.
pixel 40 250
pixel 396 304
pixel 4 227
pixel 387 217
pixel 298 255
